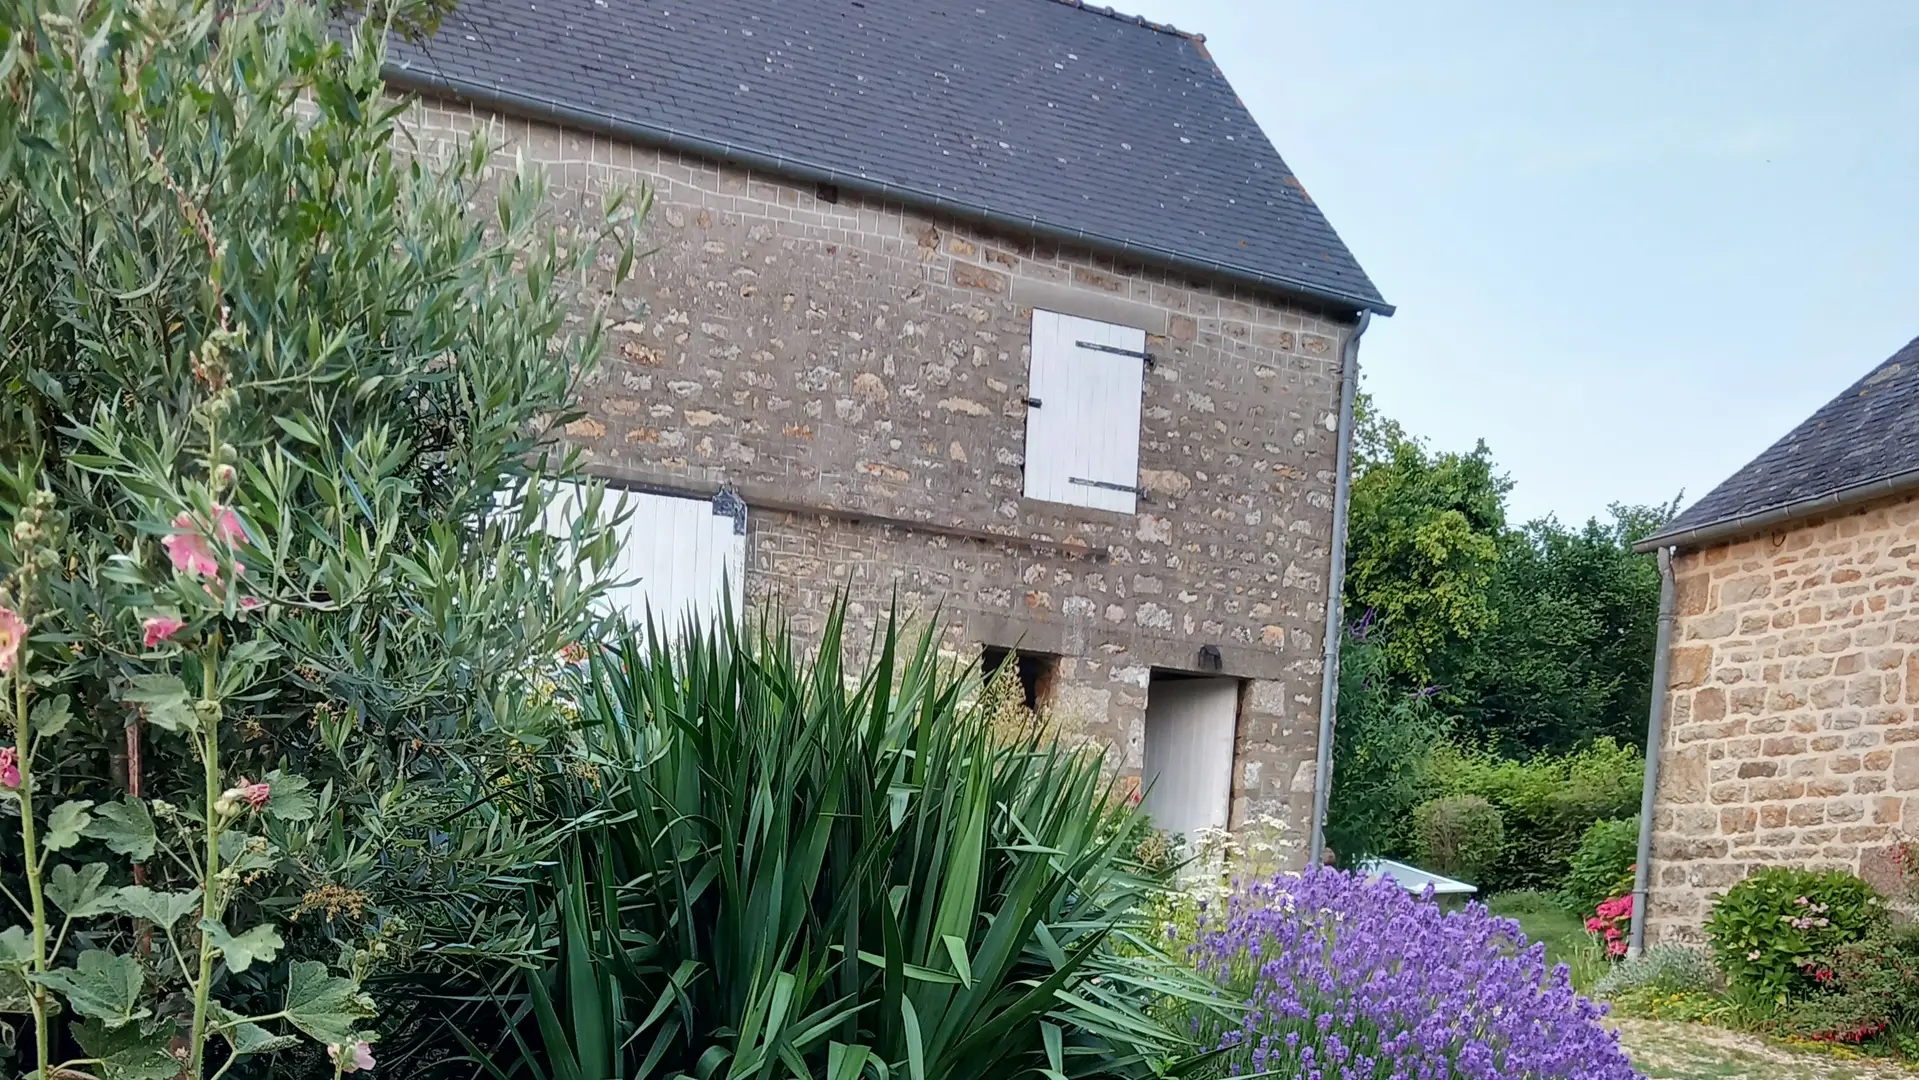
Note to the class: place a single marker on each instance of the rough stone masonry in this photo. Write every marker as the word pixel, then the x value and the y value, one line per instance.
pixel 857 373
pixel 1793 709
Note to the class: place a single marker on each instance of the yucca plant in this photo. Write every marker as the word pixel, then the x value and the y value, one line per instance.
pixel 787 871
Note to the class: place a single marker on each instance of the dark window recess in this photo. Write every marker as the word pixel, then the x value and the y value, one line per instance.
pixel 827 193
pixel 1034 670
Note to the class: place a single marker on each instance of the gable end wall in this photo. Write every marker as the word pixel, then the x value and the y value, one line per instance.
pixel 1793 713
pixel 857 371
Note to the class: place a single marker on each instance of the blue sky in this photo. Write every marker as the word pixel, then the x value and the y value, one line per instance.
pixel 1632 243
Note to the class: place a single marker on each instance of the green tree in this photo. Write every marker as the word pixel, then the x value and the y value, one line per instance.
pixel 1423 542
pixel 1567 655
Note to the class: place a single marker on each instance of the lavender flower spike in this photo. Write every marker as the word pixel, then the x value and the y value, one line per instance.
pixel 1351 979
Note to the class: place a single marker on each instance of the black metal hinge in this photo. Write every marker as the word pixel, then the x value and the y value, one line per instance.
pixel 1032 403
pixel 1104 485
pixel 1117 351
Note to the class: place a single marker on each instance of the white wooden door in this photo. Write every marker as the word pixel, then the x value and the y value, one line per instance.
pixel 1082 413
pixel 679 557
pixel 1189 752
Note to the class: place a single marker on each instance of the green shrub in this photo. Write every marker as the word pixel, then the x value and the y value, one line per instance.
pixel 1766 930
pixel 1862 991
pixel 1458 835
pixel 784 874
pixel 1662 970
pixel 1547 802
pixel 1602 863
pixel 1382 755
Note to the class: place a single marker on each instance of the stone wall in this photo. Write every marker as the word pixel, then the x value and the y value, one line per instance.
pixel 1793 722
pixel 857 371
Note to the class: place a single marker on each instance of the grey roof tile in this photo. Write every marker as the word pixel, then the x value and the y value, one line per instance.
pixel 1868 433
pixel 1037 109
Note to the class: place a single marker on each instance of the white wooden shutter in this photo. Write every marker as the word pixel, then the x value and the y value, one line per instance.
pixel 1082 413
pixel 679 557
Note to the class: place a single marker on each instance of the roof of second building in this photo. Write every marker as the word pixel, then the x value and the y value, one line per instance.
pixel 1066 118
pixel 1865 439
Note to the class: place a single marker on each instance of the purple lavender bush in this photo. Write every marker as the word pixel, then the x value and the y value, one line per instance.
pixel 1346 978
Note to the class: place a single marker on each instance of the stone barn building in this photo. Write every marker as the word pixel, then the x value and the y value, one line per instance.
pixel 1792 733
pixel 1004 307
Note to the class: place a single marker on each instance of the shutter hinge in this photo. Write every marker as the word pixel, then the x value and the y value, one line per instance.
pixel 1104 485
pixel 1032 403
pixel 1117 351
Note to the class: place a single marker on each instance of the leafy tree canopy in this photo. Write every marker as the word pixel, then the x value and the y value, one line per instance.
pixel 1424 541
pixel 1531 638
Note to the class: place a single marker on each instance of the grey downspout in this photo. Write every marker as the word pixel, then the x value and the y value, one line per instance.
pixel 1655 736
pixel 1336 590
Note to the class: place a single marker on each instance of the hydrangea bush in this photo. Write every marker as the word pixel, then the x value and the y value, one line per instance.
pixel 1611 924
pixel 1348 978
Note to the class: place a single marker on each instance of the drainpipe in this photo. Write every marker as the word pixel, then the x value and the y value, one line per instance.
pixel 1335 590
pixel 1655 736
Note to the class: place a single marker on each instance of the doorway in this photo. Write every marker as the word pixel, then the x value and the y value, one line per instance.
pixel 1190 725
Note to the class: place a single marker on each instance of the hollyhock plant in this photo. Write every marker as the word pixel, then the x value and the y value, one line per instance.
pixel 1348 978
pixel 9 768
pixel 351 1057
pixel 13 631
pixel 159 628
pixel 190 545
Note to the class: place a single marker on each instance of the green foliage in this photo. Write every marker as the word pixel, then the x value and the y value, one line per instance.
pixel 1678 1006
pixel 273 404
pixel 1768 928
pixel 1603 861
pixel 787 868
pixel 1423 542
pixel 1458 835
pixel 1538 638
pixel 1567 655
pixel 1382 750
pixel 1548 802
pixel 1864 990
pixel 1662 970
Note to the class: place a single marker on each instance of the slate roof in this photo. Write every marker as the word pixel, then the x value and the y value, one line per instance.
pixel 1071 119
pixel 1868 434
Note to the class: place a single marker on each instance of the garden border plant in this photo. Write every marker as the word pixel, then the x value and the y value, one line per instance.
pixel 1359 978
pixel 783 865
pixel 279 586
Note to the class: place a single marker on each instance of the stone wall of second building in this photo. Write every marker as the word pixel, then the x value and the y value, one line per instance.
pixel 1793 714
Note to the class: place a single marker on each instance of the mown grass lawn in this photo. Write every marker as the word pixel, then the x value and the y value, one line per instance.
pixel 1664 1050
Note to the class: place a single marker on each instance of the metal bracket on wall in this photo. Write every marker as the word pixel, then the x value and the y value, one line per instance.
pixel 1117 351
pixel 729 504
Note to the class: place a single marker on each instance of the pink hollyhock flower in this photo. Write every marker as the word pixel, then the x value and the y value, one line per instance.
pixel 357 1056
pixel 9 768
pixel 255 795
pixel 227 527
pixel 159 628
pixel 188 548
pixel 190 544
pixel 13 631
